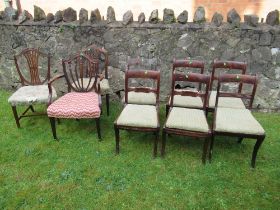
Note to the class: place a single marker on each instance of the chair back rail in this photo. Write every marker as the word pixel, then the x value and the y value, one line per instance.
pixel 191 77
pixel 31 55
pixel 228 65
pixel 241 79
pixel 142 74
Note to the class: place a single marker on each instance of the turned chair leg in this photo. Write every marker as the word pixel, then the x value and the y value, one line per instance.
pixel 156 143
pixel 211 147
pixel 14 108
pixel 163 143
pixel 107 103
pixel 32 108
pixel 52 121
pixel 205 149
pixel 97 121
pixel 166 109
pixel 255 151
pixel 117 138
pixel 239 140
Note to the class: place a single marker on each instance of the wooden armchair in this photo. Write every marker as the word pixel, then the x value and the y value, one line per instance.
pixel 34 89
pixel 186 101
pixel 228 67
pixel 188 121
pixel 139 117
pixel 83 99
pixel 237 122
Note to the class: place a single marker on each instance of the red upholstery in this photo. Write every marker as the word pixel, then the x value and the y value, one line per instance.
pixel 76 105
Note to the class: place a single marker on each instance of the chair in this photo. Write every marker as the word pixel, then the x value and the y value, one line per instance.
pixel 139 117
pixel 237 122
pixel 34 89
pixel 186 101
pixel 226 67
pixel 83 99
pixel 188 121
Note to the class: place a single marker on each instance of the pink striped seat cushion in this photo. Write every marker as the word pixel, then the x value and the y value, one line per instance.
pixel 75 105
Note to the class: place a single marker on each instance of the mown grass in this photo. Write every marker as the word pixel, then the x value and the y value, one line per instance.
pixel 79 172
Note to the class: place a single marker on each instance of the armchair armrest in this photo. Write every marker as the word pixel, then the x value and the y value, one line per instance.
pixel 50 87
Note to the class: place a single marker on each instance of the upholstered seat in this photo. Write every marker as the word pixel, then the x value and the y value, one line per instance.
pixel 141 98
pixel 237 121
pixel 76 105
pixel 187 101
pixel 225 102
pixel 28 95
pixel 134 115
pixel 187 119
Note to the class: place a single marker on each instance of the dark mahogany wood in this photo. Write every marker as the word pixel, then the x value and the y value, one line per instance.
pixel 142 74
pixel 241 79
pixel 195 78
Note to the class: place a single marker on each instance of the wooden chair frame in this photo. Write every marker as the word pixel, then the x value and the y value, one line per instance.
pixel 196 78
pixel 143 74
pixel 72 79
pixel 32 57
pixel 241 79
pixel 187 63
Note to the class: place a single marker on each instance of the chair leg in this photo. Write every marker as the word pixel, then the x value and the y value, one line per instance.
pixel 239 140
pixel 58 121
pixel 14 108
pixel 97 121
pixel 166 109
pixel 163 143
pixel 156 143
pixel 205 149
pixel 52 121
pixel 211 147
pixel 32 108
pixel 117 138
pixel 107 103
pixel 255 151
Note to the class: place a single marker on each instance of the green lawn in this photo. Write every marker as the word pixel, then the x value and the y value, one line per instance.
pixel 79 172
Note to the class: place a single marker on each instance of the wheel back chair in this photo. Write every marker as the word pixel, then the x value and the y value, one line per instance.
pixel 188 121
pixel 139 117
pixel 186 101
pixel 29 64
pixel 228 67
pixel 237 122
pixel 83 99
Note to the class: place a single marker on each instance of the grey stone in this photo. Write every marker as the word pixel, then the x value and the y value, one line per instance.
pixel 183 17
pixel 199 15
pixel 154 16
pixel 39 14
pixel 261 55
pixel 141 18
pixel 273 18
pixel 11 14
pixel 24 16
pixel 228 54
pixel 83 15
pixel 127 17
pixel 265 39
pixel 168 16
pixel 2 15
pixel 95 16
pixel 233 17
pixel 50 17
pixel 111 15
pixel 69 15
pixel 217 19
pixel 58 16
pixel 251 20
pixel 277 72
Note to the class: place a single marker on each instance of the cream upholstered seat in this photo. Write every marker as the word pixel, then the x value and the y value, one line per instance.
pixel 138 116
pixel 141 98
pixel 187 119
pixel 104 84
pixel 225 102
pixel 187 101
pixel 237 121
pixel 28 95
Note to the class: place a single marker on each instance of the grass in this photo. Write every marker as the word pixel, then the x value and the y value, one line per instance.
pixel 79 172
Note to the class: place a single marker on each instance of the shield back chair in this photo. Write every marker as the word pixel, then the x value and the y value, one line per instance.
pixel 228 67
pixel 186 101
pixel 188 121
pixel 83 101
pixel 139 117
pixel 101 55
pixel 29 64
pixel 237 122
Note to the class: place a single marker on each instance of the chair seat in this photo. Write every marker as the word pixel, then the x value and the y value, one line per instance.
pixel 187 101
pixel 187 119
pixel 225 102
pixel 144 116
pixel 28 95
pixel 104 85
pixel 240 121
pixel 75 105
pixel 141 98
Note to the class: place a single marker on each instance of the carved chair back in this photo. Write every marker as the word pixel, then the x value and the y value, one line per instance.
pixel 30 60
pixel 81 73
pixel 241 79
pixel 146 75
pixel 194 78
